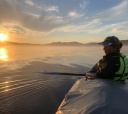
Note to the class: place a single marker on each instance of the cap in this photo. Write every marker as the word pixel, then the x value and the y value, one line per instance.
pixel 110 40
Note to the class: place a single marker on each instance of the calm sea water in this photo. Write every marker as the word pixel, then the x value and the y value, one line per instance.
pixel 23 91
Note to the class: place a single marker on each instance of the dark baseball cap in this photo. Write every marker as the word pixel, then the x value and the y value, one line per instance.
pixel 110 40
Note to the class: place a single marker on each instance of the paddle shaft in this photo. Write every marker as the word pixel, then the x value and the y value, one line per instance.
pixel 72 74
pixel 61 73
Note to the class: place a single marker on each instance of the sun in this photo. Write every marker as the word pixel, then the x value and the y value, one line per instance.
pixel 3 37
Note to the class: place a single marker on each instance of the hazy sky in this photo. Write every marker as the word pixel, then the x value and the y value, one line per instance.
pixel 44 21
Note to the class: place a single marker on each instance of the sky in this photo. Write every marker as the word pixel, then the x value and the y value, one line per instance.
pixel 46 21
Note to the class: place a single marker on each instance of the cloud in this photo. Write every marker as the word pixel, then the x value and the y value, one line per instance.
pixel 29 2
pixel 116 12
pixel 120 28
pixel 53 8
pixel 13 29
pixel 9 11
pixel 97 27
pixel 21 29
pixel 31 17
pixel 85 27
pixel 84 4
pixel 41 22
pixel 75 15
pixel 15 12
pixel 101 22
pixel 117 28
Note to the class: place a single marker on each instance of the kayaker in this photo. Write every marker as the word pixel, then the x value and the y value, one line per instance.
pixel 114 65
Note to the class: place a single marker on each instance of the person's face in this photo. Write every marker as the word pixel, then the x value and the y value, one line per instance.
pixel 109 49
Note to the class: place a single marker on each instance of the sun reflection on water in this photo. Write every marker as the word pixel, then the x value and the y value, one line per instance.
pixel 6 86
pixel 3 54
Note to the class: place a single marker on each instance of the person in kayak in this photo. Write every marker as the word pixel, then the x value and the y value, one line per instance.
pixel 114 65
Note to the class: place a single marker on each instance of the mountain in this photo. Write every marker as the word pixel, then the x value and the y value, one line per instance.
pixel 92 44
pixel 66 44
pixel 125 42
pixel 14 43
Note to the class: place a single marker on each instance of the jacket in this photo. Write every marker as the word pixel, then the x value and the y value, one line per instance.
pixel 112 66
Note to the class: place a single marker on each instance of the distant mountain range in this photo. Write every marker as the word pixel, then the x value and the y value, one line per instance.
pixel 14 43
pixel 72 44
pixel 125 42
pixel 66 44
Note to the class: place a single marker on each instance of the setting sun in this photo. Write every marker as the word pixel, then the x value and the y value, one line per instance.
pixel 3 37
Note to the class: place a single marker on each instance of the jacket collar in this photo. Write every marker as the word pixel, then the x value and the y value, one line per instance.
pixel 116 53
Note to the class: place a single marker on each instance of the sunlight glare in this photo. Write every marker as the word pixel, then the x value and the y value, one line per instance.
pixel 3 37
pixel 3 54
pixel 6 82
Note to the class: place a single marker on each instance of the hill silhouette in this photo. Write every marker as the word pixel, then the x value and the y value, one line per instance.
pixel 14 43
pixel 124 42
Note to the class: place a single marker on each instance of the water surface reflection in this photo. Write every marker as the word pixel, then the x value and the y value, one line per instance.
pixel 3 54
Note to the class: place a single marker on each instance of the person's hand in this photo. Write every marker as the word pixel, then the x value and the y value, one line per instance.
pixel 90 75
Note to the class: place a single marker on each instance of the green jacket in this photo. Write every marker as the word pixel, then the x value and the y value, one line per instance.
pixel 113 66
pixel 122 73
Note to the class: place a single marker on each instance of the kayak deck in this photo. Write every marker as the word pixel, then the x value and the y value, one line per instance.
pixel 97 96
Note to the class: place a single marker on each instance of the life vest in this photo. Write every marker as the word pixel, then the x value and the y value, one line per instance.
pixel 122 73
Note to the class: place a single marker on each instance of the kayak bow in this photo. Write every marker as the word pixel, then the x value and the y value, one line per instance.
pixel 99 96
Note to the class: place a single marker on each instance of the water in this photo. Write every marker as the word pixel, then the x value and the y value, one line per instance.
pixel 23 91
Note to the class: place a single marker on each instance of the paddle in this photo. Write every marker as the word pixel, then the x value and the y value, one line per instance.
pixel 61 73
pixel 87 75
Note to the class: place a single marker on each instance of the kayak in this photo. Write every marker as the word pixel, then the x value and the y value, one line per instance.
pixel 97 96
